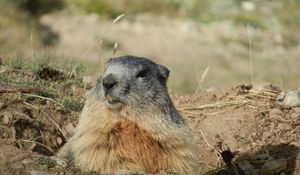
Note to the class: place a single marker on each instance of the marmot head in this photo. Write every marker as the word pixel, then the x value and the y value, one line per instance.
pixel 134 82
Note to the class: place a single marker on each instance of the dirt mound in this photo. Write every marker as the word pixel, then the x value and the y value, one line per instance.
pixel 248 121
pixel 263 135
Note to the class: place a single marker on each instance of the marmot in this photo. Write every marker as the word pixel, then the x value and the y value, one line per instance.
pixel 130 123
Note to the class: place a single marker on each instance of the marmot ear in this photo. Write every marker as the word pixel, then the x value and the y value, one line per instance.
pixel 164 72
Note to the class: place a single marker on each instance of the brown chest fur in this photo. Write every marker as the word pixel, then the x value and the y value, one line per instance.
pixel 124 146
pixel 133 145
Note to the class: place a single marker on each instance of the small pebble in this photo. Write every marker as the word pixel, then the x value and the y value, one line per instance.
pixel 27 161
pixel 61 162
pixel 7 118
pixel 59 141
pixel 69 128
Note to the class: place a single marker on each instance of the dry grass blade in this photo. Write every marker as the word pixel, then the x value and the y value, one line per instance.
pixel 238 102
pixel 99 41
pixel 118 18
pixel 52 120
pixel 20 89
pixel 202 78
pixel 45 98
pixel 55 123
pixel 24 116
pixel 38 143
pixel 73 72
pixel 115 47
pixel 250 53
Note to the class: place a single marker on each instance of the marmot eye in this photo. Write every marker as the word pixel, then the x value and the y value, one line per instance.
pixel 141 74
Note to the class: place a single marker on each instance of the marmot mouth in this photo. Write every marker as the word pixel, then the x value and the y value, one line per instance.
pixel 113 103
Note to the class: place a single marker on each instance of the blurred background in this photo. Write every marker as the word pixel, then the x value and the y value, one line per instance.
pixel 207 44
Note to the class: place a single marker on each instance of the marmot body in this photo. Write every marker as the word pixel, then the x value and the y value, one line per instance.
pixel 130 123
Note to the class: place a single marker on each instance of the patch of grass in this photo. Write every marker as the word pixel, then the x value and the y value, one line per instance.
pixel 16 62
pixel 73 105
pixel 67 90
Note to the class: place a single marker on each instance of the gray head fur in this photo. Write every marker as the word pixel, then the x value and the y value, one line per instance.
pixel 137 83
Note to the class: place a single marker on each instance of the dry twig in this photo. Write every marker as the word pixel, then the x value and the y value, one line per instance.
pixel 20 89
pixel 45 98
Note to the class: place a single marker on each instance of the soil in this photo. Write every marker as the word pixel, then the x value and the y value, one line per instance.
pixel 245 119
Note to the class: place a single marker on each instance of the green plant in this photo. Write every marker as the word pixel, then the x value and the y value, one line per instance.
pixel 16 62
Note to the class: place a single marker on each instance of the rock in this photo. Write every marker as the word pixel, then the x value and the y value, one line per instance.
pixel 7 118
pixel 59 161
pixel 17 166
pixel 35 172
pixel 1 105
pixel 27 161
pixel 295 144
pixel 273 167
pixel 247 168
pixel 59 141
pixel 62 162
pixel 69 128
pixel 289 99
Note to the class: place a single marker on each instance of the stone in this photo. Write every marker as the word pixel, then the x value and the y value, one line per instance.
pixel 69 128
pixel 59 141
pixel 27 161
pixel 7 118
pixel 1 105
pixel 60 161
pixel 289 99
pixel 273 167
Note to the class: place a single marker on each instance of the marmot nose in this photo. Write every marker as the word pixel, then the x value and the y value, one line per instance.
pixel 109 82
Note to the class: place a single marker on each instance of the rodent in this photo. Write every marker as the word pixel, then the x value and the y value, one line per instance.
pixel 129 122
